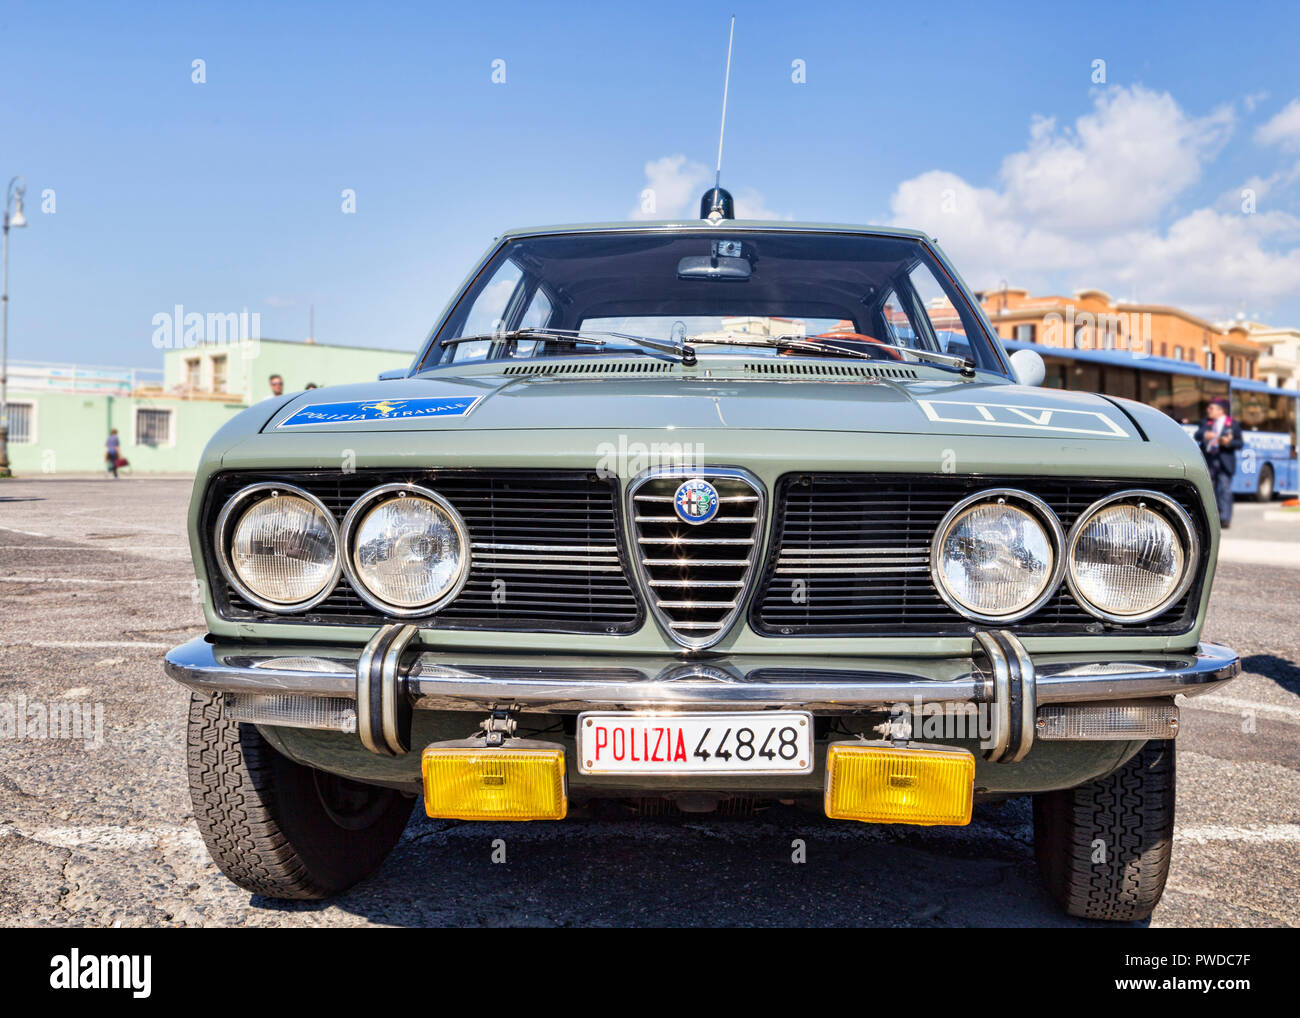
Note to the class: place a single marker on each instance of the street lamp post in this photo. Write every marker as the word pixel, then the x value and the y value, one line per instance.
pixel 14 196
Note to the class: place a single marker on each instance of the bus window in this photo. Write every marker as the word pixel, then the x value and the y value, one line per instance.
pixel 1056 375
pixel 1187 399
pixel 1211 389
pixel 1157 391
pixel 1121 382
pixel 1085 377
pixel 1251 409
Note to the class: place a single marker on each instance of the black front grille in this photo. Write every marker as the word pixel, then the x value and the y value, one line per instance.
pixel 850 556
pixel 546 553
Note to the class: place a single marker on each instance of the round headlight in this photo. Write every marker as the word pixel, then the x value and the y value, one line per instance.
pixel 281 550
pixel 1131 556
pixel 995 556
pixel 408 549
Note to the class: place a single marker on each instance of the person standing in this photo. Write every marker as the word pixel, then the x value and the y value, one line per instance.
pixel 113 448
pixel 277 385
pixel 1219 439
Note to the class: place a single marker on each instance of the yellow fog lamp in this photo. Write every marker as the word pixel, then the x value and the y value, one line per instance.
pixel 521 779
pixel 885 783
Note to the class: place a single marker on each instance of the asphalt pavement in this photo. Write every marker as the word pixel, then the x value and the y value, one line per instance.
pixel 96 583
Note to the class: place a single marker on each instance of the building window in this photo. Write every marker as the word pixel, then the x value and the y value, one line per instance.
pixel 1178 354
pixel 219 373
pixel 1209 361
pixel 192 376
pixel 153 427
pixel 1025 333
pixel 21 418
pixel 1164 349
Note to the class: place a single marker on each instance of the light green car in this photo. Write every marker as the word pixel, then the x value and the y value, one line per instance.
pixel 699 516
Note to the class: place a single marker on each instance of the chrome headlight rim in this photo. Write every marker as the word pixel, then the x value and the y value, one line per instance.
pixel 353 517
pixel 231 575
pixel 1191 553
pixel 1037 508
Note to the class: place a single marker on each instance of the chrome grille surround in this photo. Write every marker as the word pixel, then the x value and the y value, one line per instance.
pixel 696 577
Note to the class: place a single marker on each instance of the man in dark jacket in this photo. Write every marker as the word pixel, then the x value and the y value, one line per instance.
pixel 1220 438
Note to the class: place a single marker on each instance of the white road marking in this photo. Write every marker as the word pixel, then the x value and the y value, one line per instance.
pixel 1204 834
pixel 83 579
pixel 81 548
pixel 123 839
pixel 29 533
pixel 1230 705
pixel 1260 553
pixel 80 644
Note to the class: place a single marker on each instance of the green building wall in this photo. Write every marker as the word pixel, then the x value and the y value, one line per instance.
pixel 70 429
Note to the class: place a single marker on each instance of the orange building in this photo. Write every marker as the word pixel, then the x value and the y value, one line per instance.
pixel 1093 320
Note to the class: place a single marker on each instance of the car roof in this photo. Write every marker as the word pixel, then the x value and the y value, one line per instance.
pixel 766 225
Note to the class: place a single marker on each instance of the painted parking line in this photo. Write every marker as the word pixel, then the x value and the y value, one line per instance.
pixel 94 644
pixel 1207 833
pixel 1232 705
pixel 81 549
pixel 1260 553
pixel 84 579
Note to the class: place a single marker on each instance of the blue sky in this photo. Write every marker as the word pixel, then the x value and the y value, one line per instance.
pixel 981 123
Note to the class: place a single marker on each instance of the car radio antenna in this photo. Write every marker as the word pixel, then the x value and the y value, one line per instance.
pixel 717 204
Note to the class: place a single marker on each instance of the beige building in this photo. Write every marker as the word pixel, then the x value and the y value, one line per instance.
pixel 1279 360
pixel 1093 320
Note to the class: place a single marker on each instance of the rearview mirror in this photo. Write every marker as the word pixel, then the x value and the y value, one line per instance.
pixel 712 267
pixel 1028 367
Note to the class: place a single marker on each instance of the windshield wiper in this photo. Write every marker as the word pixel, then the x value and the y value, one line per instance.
pixel 789 343
pixel 944 360
pixel 681 350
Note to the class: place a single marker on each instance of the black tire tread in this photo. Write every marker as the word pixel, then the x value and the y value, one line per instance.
pixel 1132 812
pixel 234 805
pixel 260 817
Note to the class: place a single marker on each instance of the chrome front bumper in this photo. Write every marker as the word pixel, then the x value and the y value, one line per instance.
pixel 386 681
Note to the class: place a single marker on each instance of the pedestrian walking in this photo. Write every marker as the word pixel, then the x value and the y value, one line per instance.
pixel 113 448
pixel 1219 439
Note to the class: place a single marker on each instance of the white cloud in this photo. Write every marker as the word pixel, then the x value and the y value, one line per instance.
pixel 674 186
pixel 1253 100
pixel 1283 128
pixel 1090 205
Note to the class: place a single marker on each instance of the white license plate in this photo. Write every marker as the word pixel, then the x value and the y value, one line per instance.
pixel 762 742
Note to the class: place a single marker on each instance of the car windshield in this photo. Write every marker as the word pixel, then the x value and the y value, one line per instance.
pixel 594 293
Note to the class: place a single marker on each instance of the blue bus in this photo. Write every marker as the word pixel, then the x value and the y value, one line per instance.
pixel 1266 465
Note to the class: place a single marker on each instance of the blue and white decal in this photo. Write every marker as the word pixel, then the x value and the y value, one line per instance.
pixel 696 501
pixel 380 410
pixel 1032 418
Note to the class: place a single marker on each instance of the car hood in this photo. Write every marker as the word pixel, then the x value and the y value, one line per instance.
pixel 705 399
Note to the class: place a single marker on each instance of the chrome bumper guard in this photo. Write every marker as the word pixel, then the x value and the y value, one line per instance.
pixel 387 680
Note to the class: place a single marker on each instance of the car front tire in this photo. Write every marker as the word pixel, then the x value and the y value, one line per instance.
pixel 278 828
pixel 1264 491
pixel 1103 849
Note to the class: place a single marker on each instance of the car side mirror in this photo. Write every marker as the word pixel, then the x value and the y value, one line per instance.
pixel 1028 367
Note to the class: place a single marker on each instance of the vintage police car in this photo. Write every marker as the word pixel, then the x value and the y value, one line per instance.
pixel 699 516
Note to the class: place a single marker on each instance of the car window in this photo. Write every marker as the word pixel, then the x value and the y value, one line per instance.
pixel 537 316
pixel 817 285
pixel 945 322
pixel 489 311
pixel 898 327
